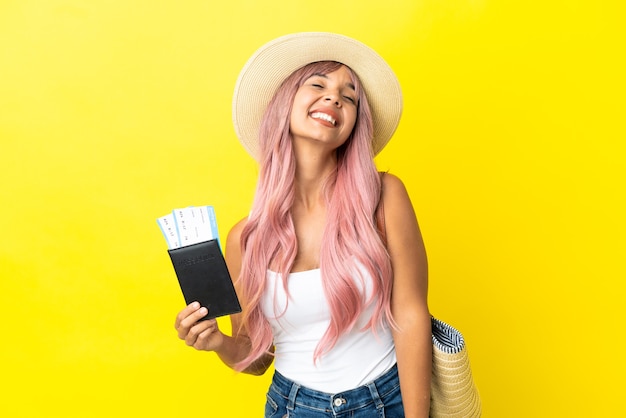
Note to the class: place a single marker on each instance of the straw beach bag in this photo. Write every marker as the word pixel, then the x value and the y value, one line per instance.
pixel 452 389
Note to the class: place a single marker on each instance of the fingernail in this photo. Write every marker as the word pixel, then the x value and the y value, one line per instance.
pixel 203 311
pixel 195 305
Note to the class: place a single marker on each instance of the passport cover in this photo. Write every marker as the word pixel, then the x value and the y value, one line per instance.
pixel 204 277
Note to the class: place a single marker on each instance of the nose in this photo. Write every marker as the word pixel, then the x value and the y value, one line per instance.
pixel 333 98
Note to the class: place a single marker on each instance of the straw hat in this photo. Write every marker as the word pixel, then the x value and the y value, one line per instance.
pixel 275 61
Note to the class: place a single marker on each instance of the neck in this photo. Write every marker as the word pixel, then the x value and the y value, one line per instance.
pixel 312 171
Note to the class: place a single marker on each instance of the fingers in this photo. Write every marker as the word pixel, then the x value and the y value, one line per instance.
pixel 189 309
pixel 188 317
pixel 202 335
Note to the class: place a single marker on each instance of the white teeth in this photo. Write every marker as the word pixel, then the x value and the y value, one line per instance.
pixel 323 116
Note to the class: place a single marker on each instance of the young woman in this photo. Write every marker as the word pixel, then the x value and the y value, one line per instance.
pixel 329 265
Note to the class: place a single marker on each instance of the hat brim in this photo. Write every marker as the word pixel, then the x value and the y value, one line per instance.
pixel 275 61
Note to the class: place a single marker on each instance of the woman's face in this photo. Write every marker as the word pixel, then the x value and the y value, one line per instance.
pixel 324 109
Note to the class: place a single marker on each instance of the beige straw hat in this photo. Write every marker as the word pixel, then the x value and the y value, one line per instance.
pixel 273 62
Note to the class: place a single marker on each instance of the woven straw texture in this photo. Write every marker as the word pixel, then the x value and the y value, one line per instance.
pixel 453 392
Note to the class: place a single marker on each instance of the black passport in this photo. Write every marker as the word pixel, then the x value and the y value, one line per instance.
pixel 203 277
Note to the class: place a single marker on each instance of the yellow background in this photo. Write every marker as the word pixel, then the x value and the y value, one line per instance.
pixel 114 112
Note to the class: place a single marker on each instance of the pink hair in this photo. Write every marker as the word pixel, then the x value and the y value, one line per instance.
pixel 351 243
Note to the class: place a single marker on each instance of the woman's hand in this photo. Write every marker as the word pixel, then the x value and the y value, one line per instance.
pixel 201 335
pixel 206 336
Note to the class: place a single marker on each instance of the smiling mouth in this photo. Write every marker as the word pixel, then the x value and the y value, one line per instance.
pixel 324 116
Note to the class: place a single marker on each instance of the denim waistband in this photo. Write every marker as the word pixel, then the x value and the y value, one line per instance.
pixel 338 403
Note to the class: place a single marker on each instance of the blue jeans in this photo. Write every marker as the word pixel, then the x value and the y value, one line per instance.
pixel 380 398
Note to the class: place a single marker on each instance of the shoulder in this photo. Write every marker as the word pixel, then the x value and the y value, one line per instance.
pixel 391 181
pixel 233 246
pixel 400 219
pixel 405 244
pixel 394 194
pixel 235 232
pixel 234 236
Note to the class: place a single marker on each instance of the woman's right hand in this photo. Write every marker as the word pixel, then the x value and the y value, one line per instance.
pixel 201 335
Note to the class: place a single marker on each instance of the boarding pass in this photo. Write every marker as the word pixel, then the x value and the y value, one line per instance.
pixel 187 226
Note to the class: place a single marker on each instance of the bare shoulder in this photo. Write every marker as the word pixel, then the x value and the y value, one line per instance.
pixel 392 182
pixel 233 247
pixel 403 232
pixel 405 246
pixel 396 198
pixel 234 235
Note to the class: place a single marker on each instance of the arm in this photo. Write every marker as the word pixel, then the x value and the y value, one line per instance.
pixel 409 298
pixel 206 335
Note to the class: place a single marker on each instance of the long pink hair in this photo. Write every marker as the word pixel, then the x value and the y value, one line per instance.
pixel 350 241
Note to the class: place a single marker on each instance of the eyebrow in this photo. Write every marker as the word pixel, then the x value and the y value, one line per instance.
pixel 349 85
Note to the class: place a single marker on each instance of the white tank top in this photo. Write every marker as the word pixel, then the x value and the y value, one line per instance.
pixel 359 356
